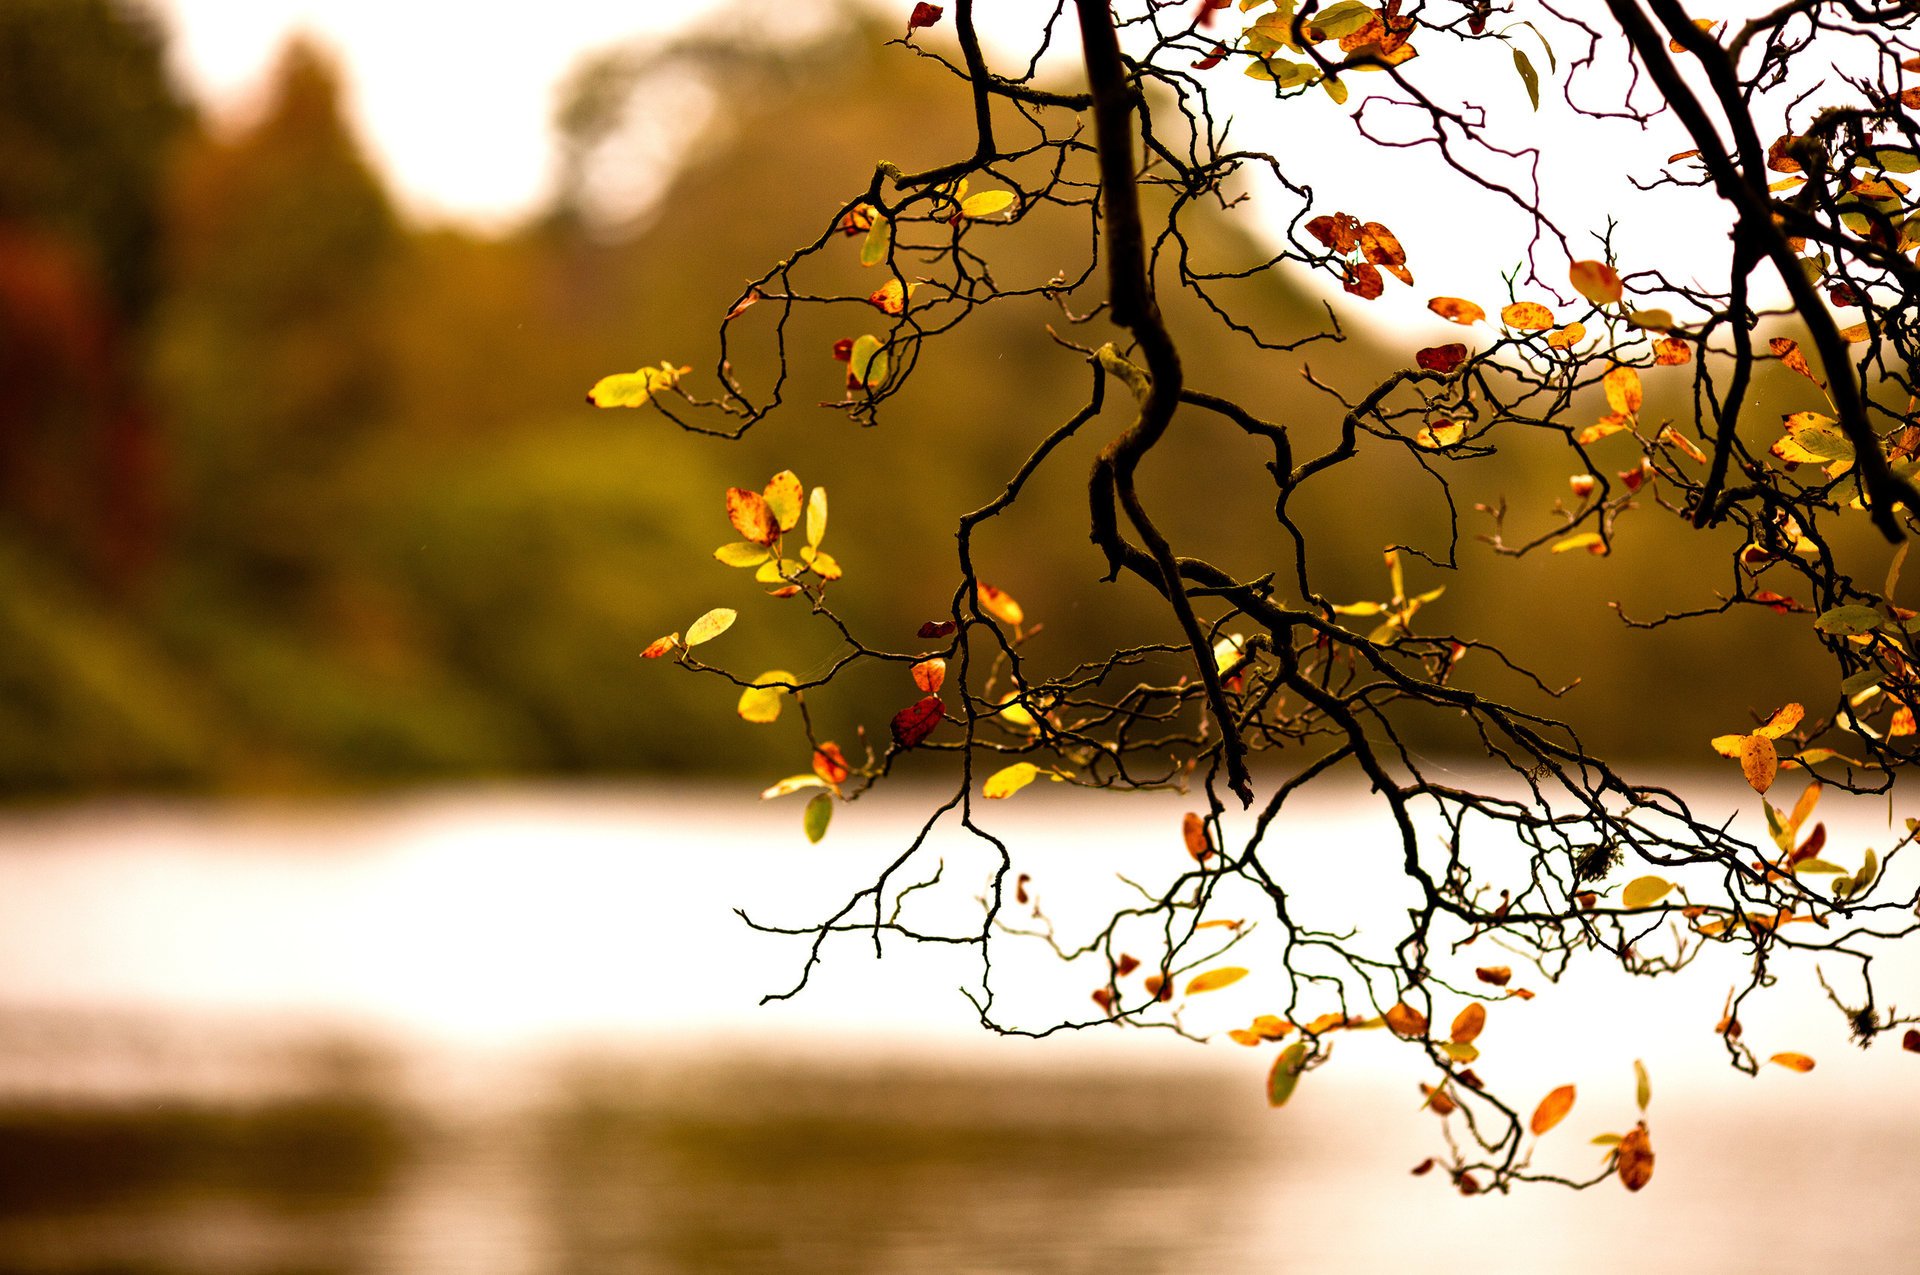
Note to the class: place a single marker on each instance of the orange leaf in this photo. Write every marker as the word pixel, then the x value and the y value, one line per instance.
pixel 1404 1020
pixel 748 512
pixel 1568 337
pixel 1793 1062
pixel 660 646
pixel 929 675
pixel 1441 358
pixel 1596 281
pixel 1623 390
pixel 1000 605
pixel 1214 980
pixel 1759 762
pixel 1671 351
pixel 830 764
pixel 1379 246
pixel 1469 1023
pixel 1457 310
pixel 1194 829
pixel 1363 280
pixel 1527 316
pixel 1788 352
pixel 1340 232
pixel 1552 1110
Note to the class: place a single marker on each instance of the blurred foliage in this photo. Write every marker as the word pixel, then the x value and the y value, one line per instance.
pixel 294 493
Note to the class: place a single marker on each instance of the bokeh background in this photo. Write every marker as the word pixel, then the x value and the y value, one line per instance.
pixel 365 903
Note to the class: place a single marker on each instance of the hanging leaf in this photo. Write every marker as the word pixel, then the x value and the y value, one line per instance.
pixel 815 818
pixel 879 240
pixel 761 702
pixel 1759 762
pixel 1287 1066
pixel 986 203
pixel 1193 829
pixel 1000 605
pixel 1596 281
pixel 790 785
pixel 915 722
pixel 1642 1087
pixel 710 626
pixel 783 497
pixel 1848 620
pixel 866 363
pixel 1643 892
pixel 748 512
pixel 1552 1110
pixel 1214 980
pixel 929 675
pixel 1404 1020
pixel 1622 386
pixel 831 764
pixel 660 646
pixel 817 517
pixel 1468 1024
pixel 1528 77
pixel 1527 316
pixel 1793 1062
pixel 633 389
pixel 1441 358
pixel 1004 783
pixel 1498 975
pixel 1634 1158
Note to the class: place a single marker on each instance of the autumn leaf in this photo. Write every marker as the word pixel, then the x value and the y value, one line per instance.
pixel 1552 1110
pixel 937 629
pixel 634 389
pixel 1457 310
pixel 986 203
pixel 1568 337
pixel 750 516
pixel 1788 352
pixel 815 818
pixel 1527 316
pixel 790 785
pixel 821 563
pixel 1441 358
pixel 866 363
pixel 923 15
pixel 915 722
pixel 1340 231
pixel 1363 280
pixel 1285 1075
pixel 1845 621
pixel 878 243
pixel 1004 783
pixel 1591 541
pixel 761 702
pixel 1793 1062
pixel 1404 1020
pixel 1596 281
pixel 928 675
pixel 1622 386
pixel 831 764
pixel 1759 762
pixel 1380 247
pixel 1643 892
pixel 1642 1086
pixel 1215 979
pixel 710 626
pixel 660 646
pixel 1000 605
pixel 890 297
pixel 1634 1158
pixel 1671 351
pixel 783 497
pixel 1468 1024
pixel 1194 830
pixel 1439 435
pixel 816 517
pixel 1498 975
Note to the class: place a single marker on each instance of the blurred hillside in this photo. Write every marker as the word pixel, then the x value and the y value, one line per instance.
pixel 296 494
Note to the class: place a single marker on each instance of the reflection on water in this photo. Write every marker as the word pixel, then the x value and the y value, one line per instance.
pixel 466 1036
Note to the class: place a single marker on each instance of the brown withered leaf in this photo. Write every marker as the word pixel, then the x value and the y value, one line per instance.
pixel 1498 975
pixel 1552 1110
pixel 937 628
pixel 1438 1099
pixel 1788 352
pixel 923 15
pixel 1911 1041
pixel 916 721
pixel 1424 1167
pixel 1633 1160
pixel 1339 231
pixel 930 675
pixel 1457 310
pixel 1404 1020
pixel 1103 997
pixel 1363 280
pixel 1125 965
pixel 1468 1024
pixel 1441 358
pixel 1382 248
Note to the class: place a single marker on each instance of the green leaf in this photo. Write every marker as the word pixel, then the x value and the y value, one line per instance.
pixel 1864 680
pixel 1642 1087
pixel 1777 827
pixel 873 249
pixel 1849 620
pixel 1528 77
pixel 1644 892
pixel 1286 1073
pixel 1895 159
pixel 1817 866
pixel 816 817
pixel 743 553
pixel 867 364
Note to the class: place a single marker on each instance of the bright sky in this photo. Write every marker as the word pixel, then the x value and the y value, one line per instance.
pixel 454 99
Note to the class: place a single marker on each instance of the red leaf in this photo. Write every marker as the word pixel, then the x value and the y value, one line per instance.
pixel 831 764
pixel 916 721
pixel 843 349
pixel 1911 1041
pixel 1340 232
pixel 1442 358
pixel 923 15
pixel 937 628
pixel 1214 55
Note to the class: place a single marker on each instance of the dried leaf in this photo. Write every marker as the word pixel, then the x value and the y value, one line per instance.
pixel 1441 358
pixel 660 646
pixel 1468 1024
pixel 1194 830
pixel 1379 246
pixel 1644 892
pixel 1568 337
pixel 1363 280
pixel 1498 975
pixel 1793 1062
pixel 1552 1110
pixel 1527 316
pixel 1671 351
pixel 1759 762
pixel 831 764
pixel 1634 1158
pixel 1782 721
pixel 937 629
pixel 915 722
pixel 923 15
pixel 1404 1020
pixel 1457 310
pixel 1340 231
pixel 929 675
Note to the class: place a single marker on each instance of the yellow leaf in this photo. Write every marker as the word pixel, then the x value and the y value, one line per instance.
pixel 1642 1087
pixel 1527 316
pixel 1605 426
pixel 783 500
pixel 1215 979
pixel 1568 337
pixel 710 626
pixel 824 565
pixel 760 703
pixel 986 203
pixel 1440 434
pixel 1782 722
pixel 816 517
pixel 1759 762
pixel 1622 386
pixel 1642 892
pixel 742 554
pixel 1004 783
pixel 1588 540
pixel 1729 745
pixel 1552 1110
pixel 1596 281
pixel 792 784
pixel 1000 605
pixel 632 389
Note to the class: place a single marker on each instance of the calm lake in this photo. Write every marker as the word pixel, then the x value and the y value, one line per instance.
pixel 516 1032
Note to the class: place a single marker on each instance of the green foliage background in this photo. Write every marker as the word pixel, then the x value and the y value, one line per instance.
pixel 315 501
